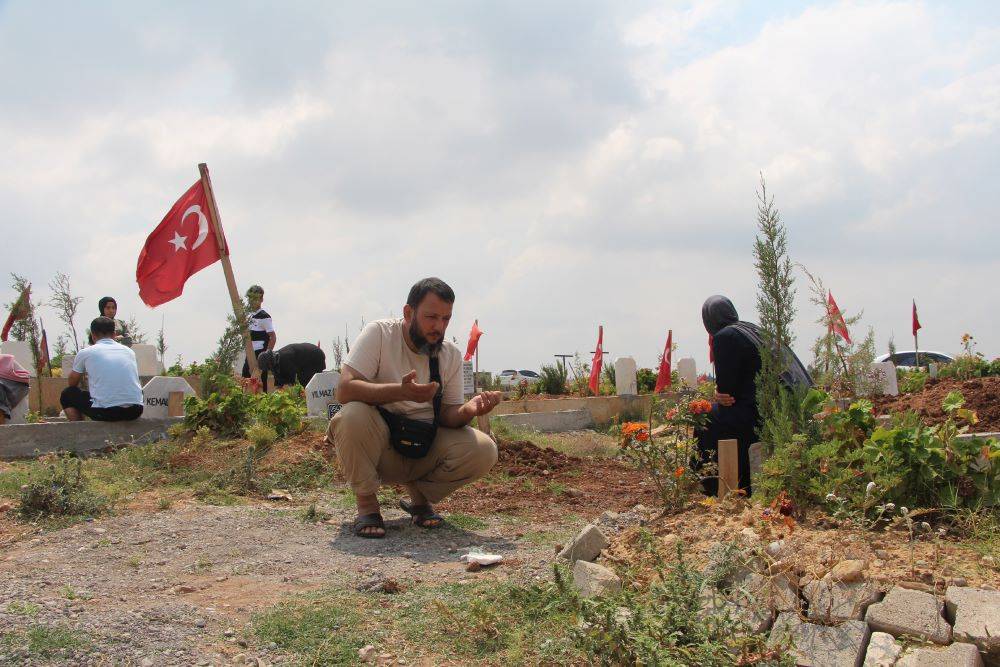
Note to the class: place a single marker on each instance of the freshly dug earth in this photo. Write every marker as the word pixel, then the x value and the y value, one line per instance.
pixel 981 395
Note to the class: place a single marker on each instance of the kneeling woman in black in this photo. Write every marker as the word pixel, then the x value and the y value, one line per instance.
pixel 736 349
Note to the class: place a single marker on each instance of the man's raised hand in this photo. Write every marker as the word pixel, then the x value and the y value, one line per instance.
pixel 416 392
pixel 483 403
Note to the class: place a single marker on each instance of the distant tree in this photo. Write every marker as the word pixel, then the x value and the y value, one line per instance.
pixel 138 335
pixel 27 329
pixel 66 305
pixel 161 343
pixel 338 353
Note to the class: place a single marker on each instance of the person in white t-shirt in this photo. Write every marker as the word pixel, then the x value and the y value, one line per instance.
pixel 389 368
pixel 112 377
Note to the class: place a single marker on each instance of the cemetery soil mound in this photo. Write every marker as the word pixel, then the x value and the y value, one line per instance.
pixel 522 457
pixel 981 395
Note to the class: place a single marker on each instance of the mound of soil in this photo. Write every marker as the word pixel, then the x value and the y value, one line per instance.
pixel 981 395
pixel 522 457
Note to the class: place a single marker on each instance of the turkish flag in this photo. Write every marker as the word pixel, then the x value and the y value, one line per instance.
pixel 474 335
pixel 181 245
pixel 836 318
pixel 598 362
pixel 663 377
pixel 916 320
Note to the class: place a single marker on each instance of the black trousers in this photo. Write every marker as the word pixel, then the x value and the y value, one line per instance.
pixel 74 397
pixel 726 426
pixel 246 368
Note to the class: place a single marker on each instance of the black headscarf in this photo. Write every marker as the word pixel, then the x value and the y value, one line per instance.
pixel 103 302
pixel 719 313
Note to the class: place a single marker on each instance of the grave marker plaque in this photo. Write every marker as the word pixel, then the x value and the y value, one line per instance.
pixel 156 395
pixel 626 383
pixel 321 393
pixel 468 380
pixel 885 372
pixel 688 371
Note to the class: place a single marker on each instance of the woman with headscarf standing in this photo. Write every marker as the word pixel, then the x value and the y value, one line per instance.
pixel 736 349
pixel 108 307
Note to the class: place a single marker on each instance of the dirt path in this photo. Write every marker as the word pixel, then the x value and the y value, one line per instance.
pixel 178 587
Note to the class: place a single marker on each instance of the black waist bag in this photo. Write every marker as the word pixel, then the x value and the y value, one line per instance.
pixel 412 437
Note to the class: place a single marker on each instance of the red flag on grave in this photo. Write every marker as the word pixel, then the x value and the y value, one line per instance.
pixel 916 320
pixel 836 318
pixel 598 362
pixel 663 377
pixel 181 245
pixel 711 349
pixel 19 311
pixel 474 335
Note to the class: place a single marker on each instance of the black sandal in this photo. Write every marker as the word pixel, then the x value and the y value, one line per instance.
pixel 366 521
pixel 422 515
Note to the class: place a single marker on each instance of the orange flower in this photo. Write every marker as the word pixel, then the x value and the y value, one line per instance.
pixel 636 430
pixel 700 406
pixel 679 472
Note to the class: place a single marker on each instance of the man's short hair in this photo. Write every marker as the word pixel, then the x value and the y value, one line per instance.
pixel 255 289
pixel 102 326
pixel 436 285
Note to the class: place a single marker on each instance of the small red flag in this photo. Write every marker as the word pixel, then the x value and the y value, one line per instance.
pixel 19 311
pixel 663 378
pixel 916 320
pixel 598 362
pixel 836 318
pixel 474 335
pixel 711 350
pixel 178 248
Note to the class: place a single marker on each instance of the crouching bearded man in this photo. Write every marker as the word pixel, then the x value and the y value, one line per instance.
pixel 404 419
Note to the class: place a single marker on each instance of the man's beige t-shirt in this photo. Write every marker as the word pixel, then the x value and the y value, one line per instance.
pixel 381 355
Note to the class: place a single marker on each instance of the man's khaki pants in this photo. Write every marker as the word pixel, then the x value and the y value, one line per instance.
pixel 361 438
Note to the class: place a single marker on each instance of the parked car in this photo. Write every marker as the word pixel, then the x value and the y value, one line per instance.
pixel 510 379
pixel 907 359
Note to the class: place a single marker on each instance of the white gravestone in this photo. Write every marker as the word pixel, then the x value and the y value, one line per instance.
pixel 156 395
pixel 687 370
pixel 148 360
pixel 19 413
pixel 468 380
pixel 238 362
pixel 886 374
pixel 932 370
pixel 321 392
pixel 22 353
pixel 626 382
pixel 67 364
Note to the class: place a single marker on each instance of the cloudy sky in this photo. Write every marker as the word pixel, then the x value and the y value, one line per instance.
pixel 560 164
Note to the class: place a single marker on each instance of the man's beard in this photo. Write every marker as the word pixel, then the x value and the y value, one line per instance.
pixel 423 345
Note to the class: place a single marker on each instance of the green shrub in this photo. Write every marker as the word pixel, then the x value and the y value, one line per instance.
pixel 645 379
pixel 261 435
pixel 553 379
pixel 911 382
pixel 60 489
pixel 227 414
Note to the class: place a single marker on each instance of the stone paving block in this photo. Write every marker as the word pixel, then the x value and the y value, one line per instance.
pixel 591 579
pixel 822 645
pixel 883 650
pixel 586 545
pixel 909 612
pixel 831 600
pixel 779 592
pixel 956 655
pixel 756 617
pixel 976 615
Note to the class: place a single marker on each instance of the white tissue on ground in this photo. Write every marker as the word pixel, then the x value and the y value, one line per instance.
pixel 481 558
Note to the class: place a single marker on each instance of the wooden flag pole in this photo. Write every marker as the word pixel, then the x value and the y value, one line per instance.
pixel 227 269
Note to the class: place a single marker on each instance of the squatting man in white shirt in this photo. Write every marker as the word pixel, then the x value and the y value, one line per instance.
pixel 112 376
pixel 387 376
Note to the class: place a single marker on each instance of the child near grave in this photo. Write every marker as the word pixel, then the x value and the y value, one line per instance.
pixel 108 307
pixel 112 375
pixel 13 385
pixel 261 326
pixel 735 349
pixel 297 362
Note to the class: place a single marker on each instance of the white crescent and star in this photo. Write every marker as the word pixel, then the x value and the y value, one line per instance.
pixel 180 242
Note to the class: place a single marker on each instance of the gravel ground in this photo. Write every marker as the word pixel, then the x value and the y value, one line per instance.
pixel 178 587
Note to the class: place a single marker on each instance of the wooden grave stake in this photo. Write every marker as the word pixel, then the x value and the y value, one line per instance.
pixel 729 467
pixel 175 404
